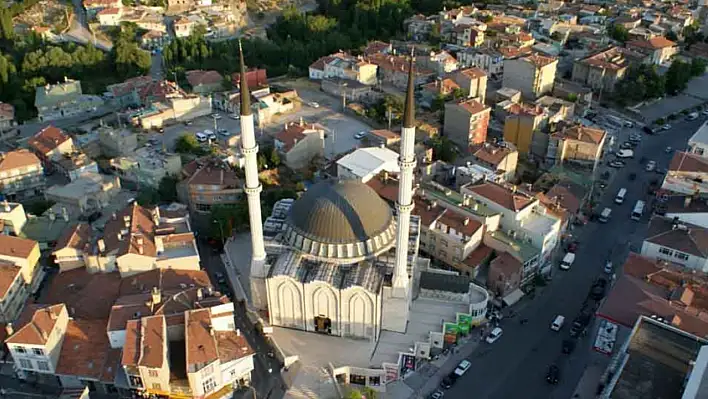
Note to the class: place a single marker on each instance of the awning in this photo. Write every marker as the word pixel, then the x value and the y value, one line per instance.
pixel 513 297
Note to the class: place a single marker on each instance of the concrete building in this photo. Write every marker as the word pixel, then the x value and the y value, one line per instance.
pixel 300 143
pixel 473 82
pixel 686 174
pixel 576 144
pixel 698 143
pixel 658 49
pixel 12 217
pixel 365 164
pixel 677 242
pixel 205 82
pixel 439 88
pixel 346 67
pixel 50 145
pixel 521 124
pixel 532 75
pixel 19 275
pixel 21 175
pixel 76 164
pixel 500 158
pixel 440 62
pixel 466 123
pixel 88 193
pixel 7 117
pixel 207 182
pixel 603 69
pixel 116 142
pixel 147 166
pixel 63 100
pixel 505 274
pixel 393 70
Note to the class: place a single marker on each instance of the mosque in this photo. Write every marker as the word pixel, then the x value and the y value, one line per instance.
pixel 340 262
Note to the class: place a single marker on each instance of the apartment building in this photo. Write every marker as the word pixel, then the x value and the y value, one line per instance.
pixel 501 158
pixel 473 82
pixel 89 193
pixel 603 69
pixel 50 145
pixel 576 144
pixel 532 75
pixel 439 88
pixel 300 143
pixel 76 164
pixel 393 70
pixel 147 166
pixel 205 82
pixel 7 117
pixel 63 100
pixel 490 60
pixel 524 217
pixel 12 218
pixel 365 164
pixel 344 66
pixel 116 142
pixel 505 275
pixel 675 241
pixel 521 124
pixel 687 174
pixel 698 143
pixel 21 175
pixel 466 123
pixel 19 274
pixel 659 49
pixel 441 62
pixel 208 182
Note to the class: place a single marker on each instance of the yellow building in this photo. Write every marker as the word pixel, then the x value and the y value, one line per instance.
pixel 521 123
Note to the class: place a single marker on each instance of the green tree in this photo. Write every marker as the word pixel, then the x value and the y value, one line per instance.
pixel 187 144
pixel 443 149
pixel 677 77
pixel 167 190
pixel 227 218
pixel 619 33
pixel 458 93
pixel 274 158
pixel 698 67
pixel 438 103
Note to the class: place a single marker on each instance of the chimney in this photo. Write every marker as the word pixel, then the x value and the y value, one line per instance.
pixel 9 329
pixel 141 249
pixel 52 315
pixel 45 336
pixel 238 332
pixel 156 295
pixel 200 294
pixel 156 216
pixel 513 189
pixel 687 201
pixel 101 245
pixel 139 240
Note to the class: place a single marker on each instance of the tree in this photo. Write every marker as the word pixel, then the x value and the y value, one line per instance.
pixel 365 392
pixel 227 218
pixel 677 77
pixel 458 93
pixel 443 149
pixel 698 67
pixel 274 157
pixel 167 190
pixel 187 144
pixel 619 33
pixel 438 103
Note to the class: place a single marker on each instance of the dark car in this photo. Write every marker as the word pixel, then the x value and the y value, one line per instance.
pixel 648 130
pixel 632 176
pixel 573 246
pixel 576 329
pixel 446 382
pixel 568 346
pixel 597 291
pixel 553 374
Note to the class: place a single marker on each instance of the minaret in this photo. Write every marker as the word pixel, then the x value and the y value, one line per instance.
pixel 406 162
pixel 253 189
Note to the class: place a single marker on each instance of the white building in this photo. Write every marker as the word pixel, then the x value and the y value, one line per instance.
pixel 366 163
pixel 677 242
pixel 698 143
pixel 687 173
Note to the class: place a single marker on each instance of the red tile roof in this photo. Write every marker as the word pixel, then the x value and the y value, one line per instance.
pixel 76 237
pixel 200 345
pixel 490 153
pixel 153 342
pixel 688 162
pixel 18 159
pixel 581 133
pixel 473 106
pixel 654 43
pixel 38 327
pixel 16 247
pixel 479 255
pixel 684 237
pixel 200 77
pixel 86 352
pixel 47 140
pixel 9 272
pixel 514 201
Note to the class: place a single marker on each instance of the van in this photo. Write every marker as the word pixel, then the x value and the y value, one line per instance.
pixel 567 261
pixel 619 199
pixel 605 215
pixel 557 323
pixel 201 137
pixel 494 335
pixel 462 368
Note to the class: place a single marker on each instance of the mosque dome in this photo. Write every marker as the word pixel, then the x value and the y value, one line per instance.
pixel 341 219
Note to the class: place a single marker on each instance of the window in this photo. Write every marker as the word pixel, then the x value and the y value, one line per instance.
pixel 666 251
pixel 153 373
pixel 43 366
pixel 681 255
pixel 26 364
pixel 156 386
pixel 208 385
pixel 20 349
pixel 699 151
pixel 135 381
pixel 38 351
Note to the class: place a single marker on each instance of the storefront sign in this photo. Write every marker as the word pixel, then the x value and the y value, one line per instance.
pixel 407 363
pixel 464 321
pixel 450 331
pixel 390 372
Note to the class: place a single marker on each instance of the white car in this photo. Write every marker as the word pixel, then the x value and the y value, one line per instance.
pixel 705 112
pixel 216 116
pixel 668 150
pixel 313 104
pixel 494 335
pixel 360 135
pixel 651 165
pixel 235 116
pixel 666 127
pixel 608 267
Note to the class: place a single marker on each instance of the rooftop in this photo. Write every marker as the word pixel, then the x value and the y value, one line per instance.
pixel 508 198
pixel 199 77
pixel 16 247
pixel 657 42
pixel 684 237
pixel 18 159
pixel 47 139
pixel 86 184
pixel 472 106
pixel 492 154
pixel 35 324
pixel 687 162
pixel 9 272
pixel 701 135
pixel 365 161
pixel 581 133
pixel 86 352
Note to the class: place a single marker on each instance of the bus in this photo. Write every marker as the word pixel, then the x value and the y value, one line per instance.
pixel 638 210
pixel 619 199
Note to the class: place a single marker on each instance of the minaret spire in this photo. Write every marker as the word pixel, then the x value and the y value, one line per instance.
pixel 409 111
pixel 245 93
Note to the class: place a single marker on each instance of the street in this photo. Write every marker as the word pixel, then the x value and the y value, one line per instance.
pixel 515 366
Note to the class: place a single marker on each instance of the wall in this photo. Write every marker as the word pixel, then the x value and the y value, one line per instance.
pixel 100 263
pixel 546 78
pixel 457 125
pixel 196 379
pixel 28 264
pixel 234 370
pixel 651 250
pixel 130 264
pixel 51 349
pixel 27 178
pixel 69 259
pixel 12 304
pixel 116 338
pixel 519 75
pixel 183 263
pixel 305 150
pixel 696 218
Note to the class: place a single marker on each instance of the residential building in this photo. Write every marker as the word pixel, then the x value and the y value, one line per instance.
pixel 7 117
pixel 659 49
pixel 466 123
pixel 110 16
pixel 349 90
pixel 505 274
pixel 558 110
pixel 255 77
pixel 365 164
pixel 418 27
pixel 489 60
pixel 574 92
pixel 565 200
pixel 440 62
pixel 688 208
pixel 687 174
pixel 532 75
pixel 178 108
pixel 208 182
pixel 183 26
pixel 577 144
pixel 74 165
pixel 439 88
pixel 677 242
pixel 21 175
pixel 154 39
pixel 698 143
pixel 383 137
pixel 12 218
pixel 116 142
pixel 473 82
pixel 603 69
pixel 393 70
pixel 474 173
pixel 501 158
pixel 522 123
pixel 19 274
pixel 344 66
pixel 92 7
pixel 50 145
pixel 300 143
pixel 69 249
pixel 524 217
pixel 88 193
pixel 205 82
pixel 147 166
pixel 63 100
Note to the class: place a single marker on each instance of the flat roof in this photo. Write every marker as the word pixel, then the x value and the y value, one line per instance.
pixel 367 160
pixel 701 135
pixel 658 361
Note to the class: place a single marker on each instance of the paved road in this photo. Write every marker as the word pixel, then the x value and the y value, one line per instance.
pixel 79 29
pixel 515 366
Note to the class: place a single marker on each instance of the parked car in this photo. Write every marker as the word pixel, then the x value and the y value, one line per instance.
pixel 235 116
pixel 626 145
pixel 216 116
pixel 553 374
pixel 668 150
pixel 608 267
pixel 651 165
pixel 494 335
pixel 224 132
pixel 313 104
pixel 692 116
pixel 438 394
pixel 616 164
pixel 188 123
pixel 360 135
pixel 597 291
pixel 666 127
pixel 447 382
